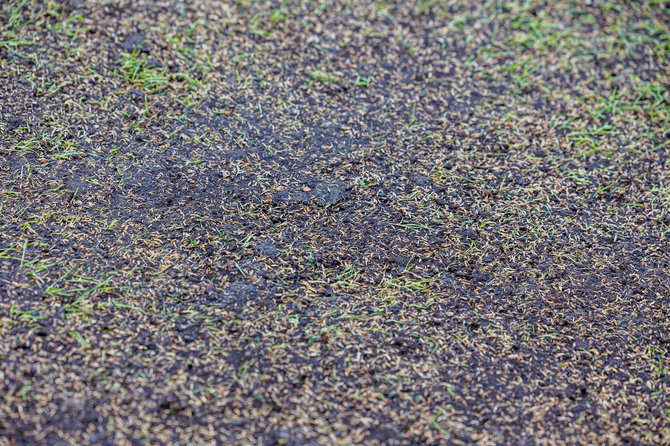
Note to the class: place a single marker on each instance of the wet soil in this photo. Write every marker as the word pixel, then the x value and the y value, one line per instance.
pixel 343 222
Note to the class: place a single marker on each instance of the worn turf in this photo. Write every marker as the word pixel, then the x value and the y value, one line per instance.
pixel 337 222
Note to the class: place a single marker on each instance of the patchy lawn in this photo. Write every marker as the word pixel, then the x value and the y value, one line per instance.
pixel 338 222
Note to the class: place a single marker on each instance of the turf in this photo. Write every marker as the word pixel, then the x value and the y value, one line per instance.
pixel 337 222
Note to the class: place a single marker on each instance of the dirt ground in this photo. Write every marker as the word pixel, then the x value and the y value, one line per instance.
pixel 334 222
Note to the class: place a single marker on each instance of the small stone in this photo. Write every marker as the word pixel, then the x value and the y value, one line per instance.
pixel 135 42
pixel 153 63
pixel 267 249
pixel 329 193
pixel 136 93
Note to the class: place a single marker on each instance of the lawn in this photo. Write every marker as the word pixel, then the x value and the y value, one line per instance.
pixel 334 222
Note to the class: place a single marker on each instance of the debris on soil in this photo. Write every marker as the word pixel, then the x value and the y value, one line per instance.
pixel 343 222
